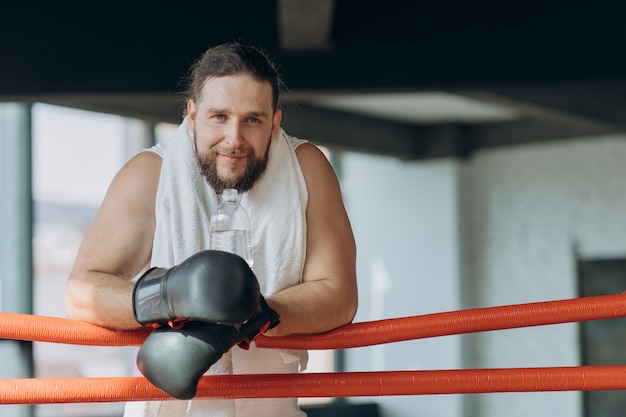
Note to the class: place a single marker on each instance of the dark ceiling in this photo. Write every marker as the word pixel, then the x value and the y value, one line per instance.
pixel 560 66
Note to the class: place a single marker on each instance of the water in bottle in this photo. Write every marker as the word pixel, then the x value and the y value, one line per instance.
pixel 230 227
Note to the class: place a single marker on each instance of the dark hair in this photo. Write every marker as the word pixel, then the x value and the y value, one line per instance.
pixel 230 59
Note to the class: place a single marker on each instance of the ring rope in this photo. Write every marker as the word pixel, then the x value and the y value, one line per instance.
pixel 342 384
pixel 60 330
pixel 578 378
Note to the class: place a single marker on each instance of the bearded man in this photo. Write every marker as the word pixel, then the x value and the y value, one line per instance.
pixel 152 232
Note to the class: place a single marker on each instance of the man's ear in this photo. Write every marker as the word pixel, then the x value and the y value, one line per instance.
pixel 191 114
pixel 278 116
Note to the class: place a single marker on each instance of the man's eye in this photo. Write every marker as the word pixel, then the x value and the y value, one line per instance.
pixel 253 120
pixel 219 116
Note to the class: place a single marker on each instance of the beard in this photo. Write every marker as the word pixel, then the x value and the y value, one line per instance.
pixel 255 167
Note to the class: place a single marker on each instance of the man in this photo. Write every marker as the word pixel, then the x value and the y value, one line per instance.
pixel 156 211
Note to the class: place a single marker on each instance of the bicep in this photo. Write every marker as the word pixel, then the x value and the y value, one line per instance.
pixel 327 297
pixel 119 241
pixel 331 252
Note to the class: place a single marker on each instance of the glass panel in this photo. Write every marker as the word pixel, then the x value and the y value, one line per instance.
pixel 75 156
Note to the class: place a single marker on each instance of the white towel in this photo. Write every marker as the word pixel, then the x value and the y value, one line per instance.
pixel 277 208
pixel 184 203
pixel 276 205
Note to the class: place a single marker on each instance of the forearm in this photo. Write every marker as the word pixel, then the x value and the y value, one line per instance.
pixel 107 304
pixel 313 307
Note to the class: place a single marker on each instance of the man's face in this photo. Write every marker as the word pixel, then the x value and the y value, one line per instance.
pixel 233 124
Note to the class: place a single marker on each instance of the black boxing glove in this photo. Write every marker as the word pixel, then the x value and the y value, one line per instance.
pixel 174 359
pixel 210 286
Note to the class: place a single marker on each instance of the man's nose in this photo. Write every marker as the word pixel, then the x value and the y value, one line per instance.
pixel 233 135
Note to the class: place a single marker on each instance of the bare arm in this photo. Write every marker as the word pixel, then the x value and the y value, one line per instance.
pixel 116 247
pixel 327 297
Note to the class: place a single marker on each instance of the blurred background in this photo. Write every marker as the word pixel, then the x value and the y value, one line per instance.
pixel 481 150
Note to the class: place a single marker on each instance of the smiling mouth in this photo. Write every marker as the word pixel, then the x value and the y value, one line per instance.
pixel 233 158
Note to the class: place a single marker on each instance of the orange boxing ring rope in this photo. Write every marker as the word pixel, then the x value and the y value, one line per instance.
pixel 344 384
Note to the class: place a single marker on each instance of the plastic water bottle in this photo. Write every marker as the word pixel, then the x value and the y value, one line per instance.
pixel 230 227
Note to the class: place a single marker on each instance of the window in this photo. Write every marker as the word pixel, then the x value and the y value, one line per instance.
pixel 75 156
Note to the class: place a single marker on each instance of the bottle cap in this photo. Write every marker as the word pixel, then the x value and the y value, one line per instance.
pixel 231 195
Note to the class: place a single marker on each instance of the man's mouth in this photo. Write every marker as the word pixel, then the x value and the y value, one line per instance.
pixel 233 157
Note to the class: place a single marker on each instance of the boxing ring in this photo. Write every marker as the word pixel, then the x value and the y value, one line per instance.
pixel 334 384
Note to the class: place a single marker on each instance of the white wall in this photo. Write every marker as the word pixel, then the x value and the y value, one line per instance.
pixel 524 210
pixel 404 216
pixel 530 207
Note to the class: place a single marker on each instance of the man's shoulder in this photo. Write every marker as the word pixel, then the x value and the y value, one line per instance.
pixel 141 170
pixel 308 152
pixel 158 149
pixel 315 166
